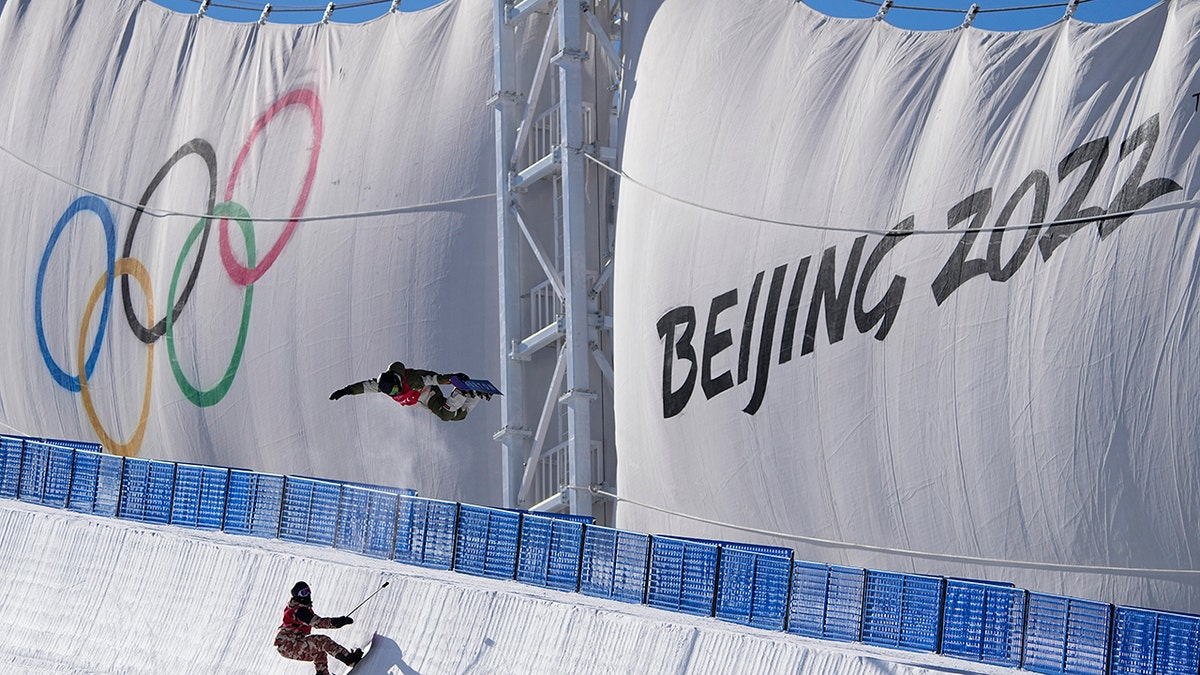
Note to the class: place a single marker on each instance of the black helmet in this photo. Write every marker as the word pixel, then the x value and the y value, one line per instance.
pixel 389 383
pixel 301 593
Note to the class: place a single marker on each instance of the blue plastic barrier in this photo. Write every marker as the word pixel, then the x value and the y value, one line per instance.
pixel 826 601
pixel 902 611
pixel 38 470
pixel 85 477
pixel 550 551
pixel 395 491
pixel 425 532
pixel 486 542
pixel 100 492
pixel 10 466
pixel 147 491
pixel 1154 643
pixel 682 576
pixel 752 583
pixel 200 495
pixel 983 622
pixel 60 463
pixel 752 586
pixel 255 504
pixel 310 511
pixel 1066 635
pixel 367 521
pixel 614 564
pixel 34 469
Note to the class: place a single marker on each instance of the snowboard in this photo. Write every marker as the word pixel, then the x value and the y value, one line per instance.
pixel 364 664
pixel 482 386
pixel 381 657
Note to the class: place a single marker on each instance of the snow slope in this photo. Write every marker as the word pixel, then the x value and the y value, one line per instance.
pixel 96 595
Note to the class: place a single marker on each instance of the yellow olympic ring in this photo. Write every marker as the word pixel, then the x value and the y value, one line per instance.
pixel 135 269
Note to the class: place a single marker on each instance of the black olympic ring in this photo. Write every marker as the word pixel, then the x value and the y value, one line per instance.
pixel 196 146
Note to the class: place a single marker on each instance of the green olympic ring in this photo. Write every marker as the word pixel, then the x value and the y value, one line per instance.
pixel 208 397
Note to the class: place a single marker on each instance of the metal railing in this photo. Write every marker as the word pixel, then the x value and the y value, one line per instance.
pixel 752 585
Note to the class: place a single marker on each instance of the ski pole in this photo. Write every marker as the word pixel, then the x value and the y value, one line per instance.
pixel 368 598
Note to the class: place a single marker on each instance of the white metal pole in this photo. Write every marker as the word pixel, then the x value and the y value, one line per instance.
pixel 579 396
pixel 513 435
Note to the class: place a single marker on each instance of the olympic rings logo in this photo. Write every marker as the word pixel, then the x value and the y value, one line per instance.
pixel 243 275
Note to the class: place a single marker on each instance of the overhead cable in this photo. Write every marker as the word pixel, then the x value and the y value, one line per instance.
pixel 1115 215
pixel 926 555
pixel 982 10
pixel 436 205
pixel 165 213
pixel 258 6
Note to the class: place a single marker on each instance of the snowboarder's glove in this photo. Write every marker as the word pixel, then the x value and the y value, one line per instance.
pixel 340 621
pixel 339 393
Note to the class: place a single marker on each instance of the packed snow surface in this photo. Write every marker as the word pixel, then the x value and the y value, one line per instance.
pixel 86 594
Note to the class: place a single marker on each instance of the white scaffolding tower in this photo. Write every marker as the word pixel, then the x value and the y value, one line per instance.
pixel 554 214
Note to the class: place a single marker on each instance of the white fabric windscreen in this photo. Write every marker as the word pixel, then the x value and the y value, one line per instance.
pixel 354 164
pixel 844 322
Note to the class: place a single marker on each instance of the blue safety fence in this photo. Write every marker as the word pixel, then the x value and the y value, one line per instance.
pixel 366 521
pixel 902 611
pixel 614 564
pixel 425 531
pixel 748 584
pixel 199 496
pixel 827 601
pixel 752 585
pixel 310 510
pixel 683 576
pixel 96 484
pixel 550 550
pixel 487 541
pixel 147 490
pixel 1066 635
pixel 983 621
pixel 1155 643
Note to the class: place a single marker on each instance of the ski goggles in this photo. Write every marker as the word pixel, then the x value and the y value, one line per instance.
pixel 394 385
pixel 303 593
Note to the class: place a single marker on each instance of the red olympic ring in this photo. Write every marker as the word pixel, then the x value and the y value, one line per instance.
pixel 241 274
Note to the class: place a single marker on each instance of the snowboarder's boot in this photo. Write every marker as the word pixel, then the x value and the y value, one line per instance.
pixel 351 658
pixel 462 400
pixel 473 399
pixel 457 399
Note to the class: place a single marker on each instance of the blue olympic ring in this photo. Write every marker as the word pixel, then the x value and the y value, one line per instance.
pixel 100 208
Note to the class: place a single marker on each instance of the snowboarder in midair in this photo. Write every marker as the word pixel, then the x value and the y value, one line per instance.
pixel 413 386
pixel 295 641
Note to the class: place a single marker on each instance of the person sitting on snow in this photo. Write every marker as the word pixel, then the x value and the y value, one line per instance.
pixel 294 640
pixel 412 386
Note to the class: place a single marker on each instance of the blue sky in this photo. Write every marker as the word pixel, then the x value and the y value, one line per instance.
pixel 993 14
pixel 936 15
pixel 295 11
